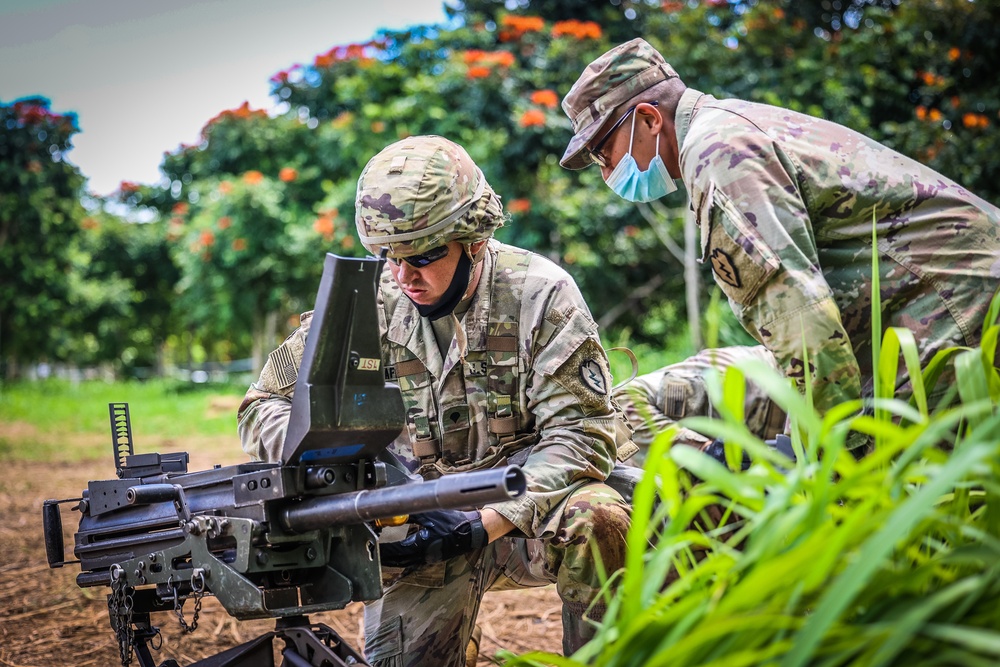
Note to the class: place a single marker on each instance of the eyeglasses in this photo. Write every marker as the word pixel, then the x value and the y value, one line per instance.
pixel 595 152
pixel 420 261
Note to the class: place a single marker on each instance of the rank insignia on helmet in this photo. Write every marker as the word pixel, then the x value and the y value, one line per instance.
pixel 723 266
pixel 592 376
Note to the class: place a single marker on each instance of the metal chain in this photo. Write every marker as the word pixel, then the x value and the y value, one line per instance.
pixel 198 592
pixel 119 600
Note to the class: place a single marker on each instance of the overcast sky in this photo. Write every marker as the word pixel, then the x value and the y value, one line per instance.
pixel 144 76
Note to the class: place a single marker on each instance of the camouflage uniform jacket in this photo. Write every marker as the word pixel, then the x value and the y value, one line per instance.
pixel 786 204
pixel 654 401
pixel 534 388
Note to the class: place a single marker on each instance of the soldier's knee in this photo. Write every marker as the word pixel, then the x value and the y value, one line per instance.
pixel 599 517
pixel 610 524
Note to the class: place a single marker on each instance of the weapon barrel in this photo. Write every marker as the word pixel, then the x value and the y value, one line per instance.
pixel 460 491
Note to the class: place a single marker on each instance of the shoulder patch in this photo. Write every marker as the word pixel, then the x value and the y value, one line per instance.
pixel 585 375
pixel 592 376
pixel 724 269
pixel 283 367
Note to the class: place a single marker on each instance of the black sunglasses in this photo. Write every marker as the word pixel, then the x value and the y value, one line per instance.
pixel 595 152
pixel 420 261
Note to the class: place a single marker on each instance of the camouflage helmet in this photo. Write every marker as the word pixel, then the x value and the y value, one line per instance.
pixel 607 83
pixel 421 193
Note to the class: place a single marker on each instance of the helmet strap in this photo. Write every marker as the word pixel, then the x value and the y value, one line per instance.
pixel 453 295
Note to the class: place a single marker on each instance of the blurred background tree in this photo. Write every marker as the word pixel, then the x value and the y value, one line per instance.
pixel 40 214
pixel 238 227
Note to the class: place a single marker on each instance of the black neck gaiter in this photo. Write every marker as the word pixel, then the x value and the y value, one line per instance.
pixel 453 295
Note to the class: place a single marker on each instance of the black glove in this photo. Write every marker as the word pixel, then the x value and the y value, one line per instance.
pixel 717 451
pixel 781 443
pixel 443 534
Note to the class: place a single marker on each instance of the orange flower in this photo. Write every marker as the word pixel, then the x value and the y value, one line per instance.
pixel 225 222
pixel 930 79
pixel 347 242
pixel 128 187
pixel 577 29
pixel 631 231
pixel 239 245
pixel 180 208
pixel 241 112
pixel 545 98
pixel 519 205
pixel 921 113
pixel 89 223
pixel 515 27
pixel 472 56
pixel 323 226
pixel 253 177
pixel 532 117
pixel 523 24
pixel 225 187
pixel 478 72
pixel 669 6
pixel 287 174
pixel 955 102
pixel 954 53
pixel 207 238
pixel 934 115
pixel 779 13
pixel 975 120
pixel 342 120
pixel 378 126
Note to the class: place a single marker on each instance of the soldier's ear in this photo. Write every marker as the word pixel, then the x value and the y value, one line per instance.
pixel 474 248
pixel 650 115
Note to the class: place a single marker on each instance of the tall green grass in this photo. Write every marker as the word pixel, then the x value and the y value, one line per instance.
pixel 893 559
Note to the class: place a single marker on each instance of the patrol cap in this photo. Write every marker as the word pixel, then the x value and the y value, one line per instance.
pixel 421 193
pixel 607 83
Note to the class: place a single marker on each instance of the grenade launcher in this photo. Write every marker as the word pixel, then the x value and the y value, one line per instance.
pixel 278 540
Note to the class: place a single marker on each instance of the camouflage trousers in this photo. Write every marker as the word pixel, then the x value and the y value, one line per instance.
pixel 427 617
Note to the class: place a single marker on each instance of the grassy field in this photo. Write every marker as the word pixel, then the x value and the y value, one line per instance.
pixel 58 419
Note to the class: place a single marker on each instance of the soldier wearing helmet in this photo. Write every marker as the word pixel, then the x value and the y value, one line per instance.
pixel 498 361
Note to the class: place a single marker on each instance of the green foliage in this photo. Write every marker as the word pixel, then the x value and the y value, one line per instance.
pixel 40 213
pixel 893 558
pixel 915 75
pixel 121 294
pixel 55 419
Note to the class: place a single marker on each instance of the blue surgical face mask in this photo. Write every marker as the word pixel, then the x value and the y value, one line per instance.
pixel 631 184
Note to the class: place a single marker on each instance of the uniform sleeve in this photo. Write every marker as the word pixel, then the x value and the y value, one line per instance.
pixel 656 401
pixel 758 238
pixel 569 395
pixel 263 414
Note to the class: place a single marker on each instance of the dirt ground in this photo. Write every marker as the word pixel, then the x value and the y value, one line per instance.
pixel 46 620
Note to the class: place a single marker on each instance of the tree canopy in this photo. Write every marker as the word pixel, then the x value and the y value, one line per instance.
pixel 242 219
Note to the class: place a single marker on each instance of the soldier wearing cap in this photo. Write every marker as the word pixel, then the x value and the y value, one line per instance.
pixel 655 401
pixel 786 205
pixel 498 360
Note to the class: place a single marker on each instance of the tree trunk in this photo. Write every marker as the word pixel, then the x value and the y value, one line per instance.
pixel 265 330
pixel 654 212
pixel 692 277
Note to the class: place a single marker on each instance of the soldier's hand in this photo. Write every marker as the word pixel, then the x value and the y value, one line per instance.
pixel 443 534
